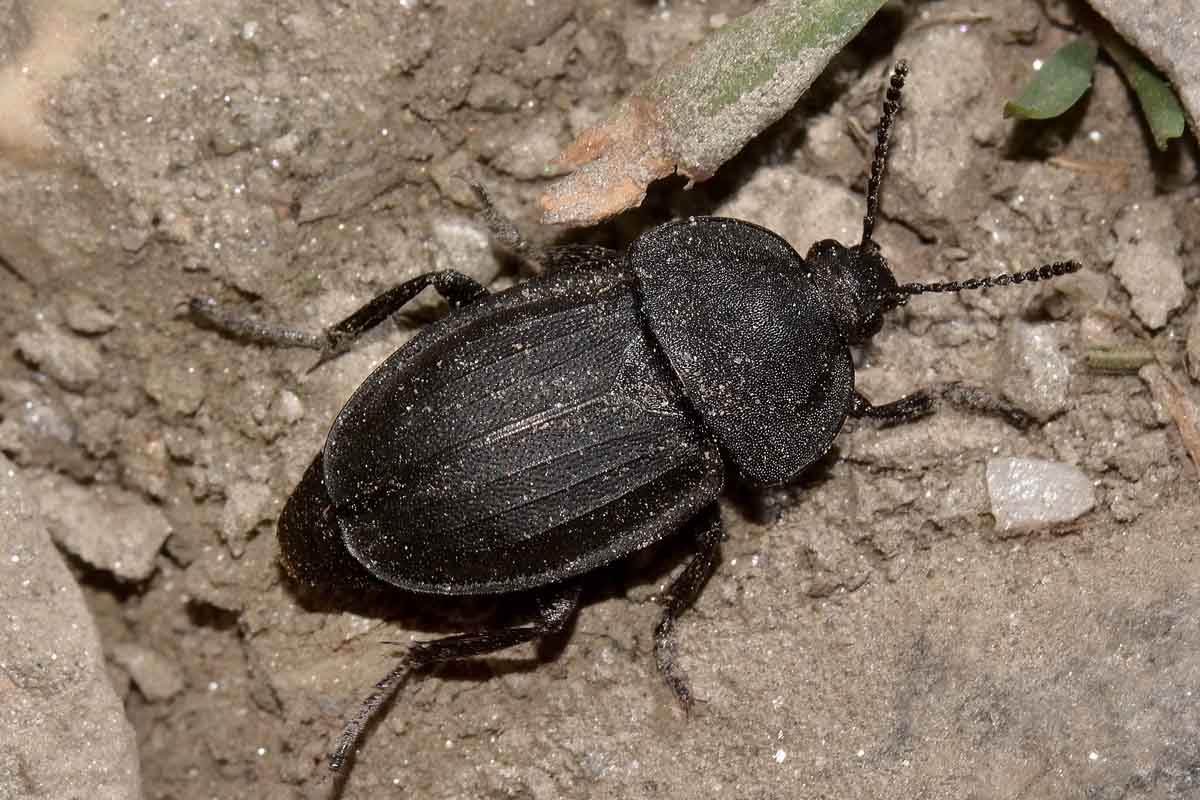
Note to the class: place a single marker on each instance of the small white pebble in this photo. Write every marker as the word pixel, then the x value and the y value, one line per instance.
pixel 1030 493
pixel 780 756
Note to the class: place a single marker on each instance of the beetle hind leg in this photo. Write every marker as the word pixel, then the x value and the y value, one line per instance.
pixel 680 596
pixel 458 289
pixel 555 612
pixel 919 404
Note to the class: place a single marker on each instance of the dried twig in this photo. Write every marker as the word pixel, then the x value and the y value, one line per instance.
pixel 1168 392
pixel 704 106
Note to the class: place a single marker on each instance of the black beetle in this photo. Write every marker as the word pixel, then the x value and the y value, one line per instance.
pixel 537 434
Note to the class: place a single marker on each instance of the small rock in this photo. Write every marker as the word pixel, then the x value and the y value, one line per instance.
pixel 827 143
pixel 178 388
pixel 944 114
pixel 231 584
pixel 134 239
pixel 36 411
pixel 288 407
pixel 527 24
pixel 531 152
pixel 1147 261
pixel 492 92
pixel 1035 372
pixel 156 678
pixel 464 245
pixel 84 315
pixel 549 59
pixel 1029 493
pixel 246 505
pixel 63 731
pixel 1135 458
pixel 38 429
pixel 109 528
pixel 450 175
pixel 1085 291
pixel 144 461
pixel 73 363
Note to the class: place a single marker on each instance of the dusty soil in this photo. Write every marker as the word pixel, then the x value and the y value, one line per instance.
pixel 869 634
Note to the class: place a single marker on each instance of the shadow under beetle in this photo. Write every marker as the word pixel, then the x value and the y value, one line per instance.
pixel 537 434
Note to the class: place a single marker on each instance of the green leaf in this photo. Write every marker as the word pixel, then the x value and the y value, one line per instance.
pixel 1159 104
pixel 1060 82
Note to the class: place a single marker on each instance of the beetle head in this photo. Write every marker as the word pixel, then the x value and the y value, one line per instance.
pixel 863 277
pixel 860 284
pixel 859 277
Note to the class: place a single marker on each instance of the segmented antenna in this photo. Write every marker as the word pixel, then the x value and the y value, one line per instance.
pixel 891 106
pixel 1040 274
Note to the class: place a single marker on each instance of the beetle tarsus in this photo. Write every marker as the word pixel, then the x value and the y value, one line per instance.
pixel 249 328
pixel 551 258
pixel 680 596
pixel 501 227
pixel 920 404
pixel 385 689
pixel 980 401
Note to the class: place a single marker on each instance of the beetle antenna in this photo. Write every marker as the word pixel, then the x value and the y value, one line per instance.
pixel 891 106
pixel 1040 274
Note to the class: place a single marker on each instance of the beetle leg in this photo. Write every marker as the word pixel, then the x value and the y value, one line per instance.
pixel 549 258
pixel 251 329
pixel 906 409
pixel 458 289
pixel 682 593
pixel 554 613
pixel 919 404
pixel 500 226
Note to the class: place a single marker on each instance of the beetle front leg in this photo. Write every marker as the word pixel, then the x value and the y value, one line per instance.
pixel 922 403
pixel 549 258
pixel 501 227
pixel 554 614
pixel 681 594
pixel 458 289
